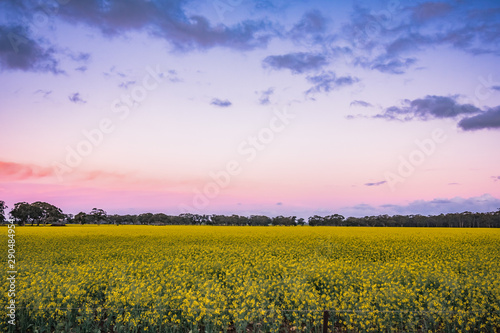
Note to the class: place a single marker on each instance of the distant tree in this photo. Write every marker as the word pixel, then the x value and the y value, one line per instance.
pixel 50 213
pixel 81 218
pixel 98 215
pixel 161 218
pixel 335 220
pixel 69 218
pixel 145 218
pixel 301 221
pixel 23 213
pixel 282 220
pixel 3 207
pixel 315 220
pixel 260 220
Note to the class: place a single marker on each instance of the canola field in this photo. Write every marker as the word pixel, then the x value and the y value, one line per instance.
pixel 254 279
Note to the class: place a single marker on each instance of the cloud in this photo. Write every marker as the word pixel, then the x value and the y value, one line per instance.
pixel 19 52
pixel 17 171
pixel 126 84
pixel 483 203
pixel 76 98
pixel 44 93
pixel 393 66
pixel 328 81
pixel 429 107
pixel 221 103
pixel 495 178
pixel 429 10
pixel 361 103
pixel 497 88
pixel 81 69
pixel 279 204
pixel 264 96
pixel 80 57
pixel 489 119
pixel 173 76
pixel 387 39
pixel 297 63
pixel 167 20
pixel 376 184
pixel 311 30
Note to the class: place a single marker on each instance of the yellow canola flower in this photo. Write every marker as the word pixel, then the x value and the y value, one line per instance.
pixel 181 278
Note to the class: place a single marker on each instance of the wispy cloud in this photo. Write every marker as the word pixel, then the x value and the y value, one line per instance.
pixel 392 66
pixel 18 171
pixel 361 103
pixel 376 184
pixel 297 63
pixel 265 96
pixel 44 93
pixel 429 107
pixel 221 103
pixel 81 69
pixel 483 203
pixel 328 81
pixel 126 84
pixel 76 98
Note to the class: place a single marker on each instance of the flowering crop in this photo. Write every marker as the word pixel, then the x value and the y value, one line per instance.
pixel 262 279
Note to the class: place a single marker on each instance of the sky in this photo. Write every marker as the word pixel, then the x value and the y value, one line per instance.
pixel 251 107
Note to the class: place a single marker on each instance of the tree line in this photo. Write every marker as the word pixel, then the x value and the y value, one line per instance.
pixel 44 213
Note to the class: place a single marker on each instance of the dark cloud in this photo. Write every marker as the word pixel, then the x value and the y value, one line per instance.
pixel 489 119
pixel 376 184
pixel 430 10
pixel 495 88
pixel 406 44
pixel 265 95
pixel 76 98
pixel 19 52
pixel 361 103
pixel 495 178
pixel 312 22
pixel 279 204
pixel 328 81
pixel 453 183
pixel 298 63
pixel 393 66
pixel 221 103
pixel 388 39
pixel 163 19
pixel 311 29
pixel 429 107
